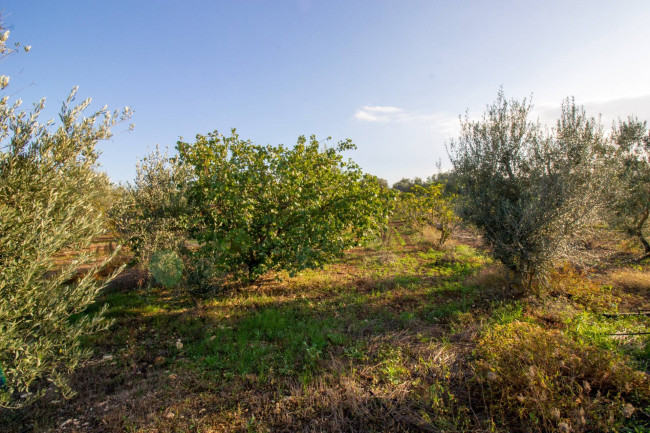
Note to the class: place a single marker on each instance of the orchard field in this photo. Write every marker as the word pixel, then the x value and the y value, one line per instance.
pixel 395 336
pixel 235 286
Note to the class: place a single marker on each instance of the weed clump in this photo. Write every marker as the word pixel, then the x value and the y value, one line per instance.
pixel 582 292
pixel 533 379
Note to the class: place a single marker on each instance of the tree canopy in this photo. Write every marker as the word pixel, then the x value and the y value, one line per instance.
pixel 273 207
pixel 531 190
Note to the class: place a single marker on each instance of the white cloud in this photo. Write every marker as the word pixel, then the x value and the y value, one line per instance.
pixel 367 116
pixel 377 113
pixel 441 123
pixel 380 109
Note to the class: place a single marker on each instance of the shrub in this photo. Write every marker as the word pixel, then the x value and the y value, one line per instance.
pixel 533 379
pixel 531 191
pixel 270 207
pixel 166 268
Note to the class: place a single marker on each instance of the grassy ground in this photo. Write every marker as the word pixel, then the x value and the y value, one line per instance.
pixel 402 337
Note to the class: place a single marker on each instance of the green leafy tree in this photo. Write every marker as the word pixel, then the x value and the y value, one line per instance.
pixel 428 206
pixel 629 154
pixel 531 191
pixel 272 207
pixel 406 184
pixel 449 181
pixel 48 196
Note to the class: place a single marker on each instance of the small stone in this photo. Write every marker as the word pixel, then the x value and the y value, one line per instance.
pixel 492 376
pixel 170 415
pixel 65 423
pixel 173 376
pixel 628 410
pixel 179 344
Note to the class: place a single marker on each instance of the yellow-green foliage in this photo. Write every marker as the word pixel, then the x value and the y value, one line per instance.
pixel 537 380
pixel 582 291
pixel 427 206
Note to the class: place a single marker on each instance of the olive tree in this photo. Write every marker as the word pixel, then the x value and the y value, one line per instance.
pixel 531 190
pixel 271 207
pixel 629 154
pixel 152 213
pixel 48 196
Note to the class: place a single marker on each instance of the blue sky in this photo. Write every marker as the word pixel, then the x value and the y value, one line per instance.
pixel 391 75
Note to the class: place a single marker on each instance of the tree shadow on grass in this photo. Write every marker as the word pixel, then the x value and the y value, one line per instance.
pixel 334 352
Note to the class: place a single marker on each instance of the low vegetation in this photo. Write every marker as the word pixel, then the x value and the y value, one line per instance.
pixel 544 380
pixel 404 337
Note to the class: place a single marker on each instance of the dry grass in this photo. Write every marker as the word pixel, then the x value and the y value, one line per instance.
pixel 537 380
pixel 582 291
pixel 634 284
pixel 632 280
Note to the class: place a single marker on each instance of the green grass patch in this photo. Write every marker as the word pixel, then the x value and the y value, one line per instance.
pixel 454 264
pixel 448 301
pixel 274 340
pixel 597 329
pixel 506 312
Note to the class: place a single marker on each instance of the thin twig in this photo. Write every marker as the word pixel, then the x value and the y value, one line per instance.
pixel 636 313
pixel 642 258
pixel 630 333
